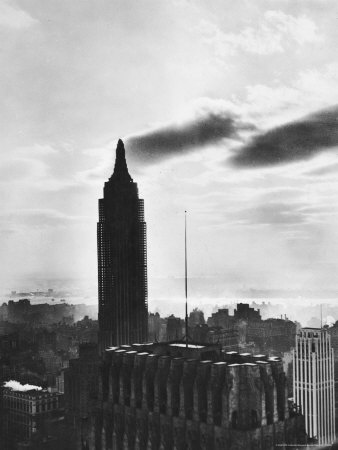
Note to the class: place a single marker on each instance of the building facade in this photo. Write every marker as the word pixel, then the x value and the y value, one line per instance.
pixel 168 396
pixel 81 390
pixel 175 327
pixel 333 331
pixel 245 312
pixel 27 414
pixel 122 260
pixel 271 335
pixel 221 319
pixel 313 383
pixel 154 327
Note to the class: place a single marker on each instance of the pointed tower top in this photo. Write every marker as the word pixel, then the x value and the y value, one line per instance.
pixel 120 148
pixel 121 170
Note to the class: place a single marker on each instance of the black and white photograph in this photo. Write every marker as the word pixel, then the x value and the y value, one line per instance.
pixel 168 224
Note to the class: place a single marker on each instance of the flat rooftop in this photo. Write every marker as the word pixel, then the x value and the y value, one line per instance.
pixel 178 344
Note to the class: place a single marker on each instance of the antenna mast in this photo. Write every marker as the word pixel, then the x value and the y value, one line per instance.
pixel 186 278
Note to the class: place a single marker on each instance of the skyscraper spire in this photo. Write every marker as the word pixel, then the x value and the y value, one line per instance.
pixel 121 169
pixel 122 260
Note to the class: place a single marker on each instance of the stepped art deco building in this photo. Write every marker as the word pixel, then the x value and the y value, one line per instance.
pixel 122 260
pixel 313 383
pixel 169 396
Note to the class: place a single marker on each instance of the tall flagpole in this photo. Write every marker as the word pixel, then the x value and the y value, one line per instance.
pixel 186 279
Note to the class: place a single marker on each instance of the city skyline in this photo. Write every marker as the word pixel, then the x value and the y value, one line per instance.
pixel 231 117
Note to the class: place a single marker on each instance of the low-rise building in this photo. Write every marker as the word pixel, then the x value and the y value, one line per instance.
pixel 26 412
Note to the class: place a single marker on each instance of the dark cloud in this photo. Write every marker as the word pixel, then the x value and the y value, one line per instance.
pixel 294 141
pixel 175 139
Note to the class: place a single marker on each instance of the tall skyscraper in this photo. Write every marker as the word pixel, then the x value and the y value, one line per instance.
pixel 122 260
pixel 313 383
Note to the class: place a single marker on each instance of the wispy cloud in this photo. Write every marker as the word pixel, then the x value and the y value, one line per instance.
pixel 38 218
pixel 273 34
pixel 25 169
pixel 326 170
pixel 275 213
pixel 13 17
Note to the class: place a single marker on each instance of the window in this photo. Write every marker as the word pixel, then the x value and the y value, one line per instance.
pixel 254 418
pixel 234 420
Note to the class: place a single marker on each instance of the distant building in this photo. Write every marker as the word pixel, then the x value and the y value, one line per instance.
pixel 277 335
pixel 60 382
pixel 244 312
pixel 154 327
pixel 122 260
pixel 9 343
pixel 4 312
pixel 313 383
pixel 287 358
pixel 196 317
pixel 52 361
pixel 169 396
pixel 45 340
pixel 221 319
pixel 174 328
pixel 199 333
pixel 228 338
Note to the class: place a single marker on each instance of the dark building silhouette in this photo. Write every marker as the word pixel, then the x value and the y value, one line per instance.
pixel 174 328
pixel 154 327
pixel 122 260
pixel 196 317
pixel 81 390
pixel 244 312
pixel 222 319
pixel 166 396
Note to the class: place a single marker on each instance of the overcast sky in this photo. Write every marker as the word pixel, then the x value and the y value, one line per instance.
pixel 228 109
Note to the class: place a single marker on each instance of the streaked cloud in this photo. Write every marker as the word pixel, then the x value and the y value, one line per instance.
pixel 294 141
pixel 171 139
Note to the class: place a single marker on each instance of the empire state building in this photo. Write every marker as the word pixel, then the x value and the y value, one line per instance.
pixel 122 260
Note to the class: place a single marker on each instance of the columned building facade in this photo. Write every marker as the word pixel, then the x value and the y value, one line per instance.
pixel 122 260
pixel 313 383
pixel 166 396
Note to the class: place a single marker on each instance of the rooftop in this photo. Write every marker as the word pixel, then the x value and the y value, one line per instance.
pixel 181 344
